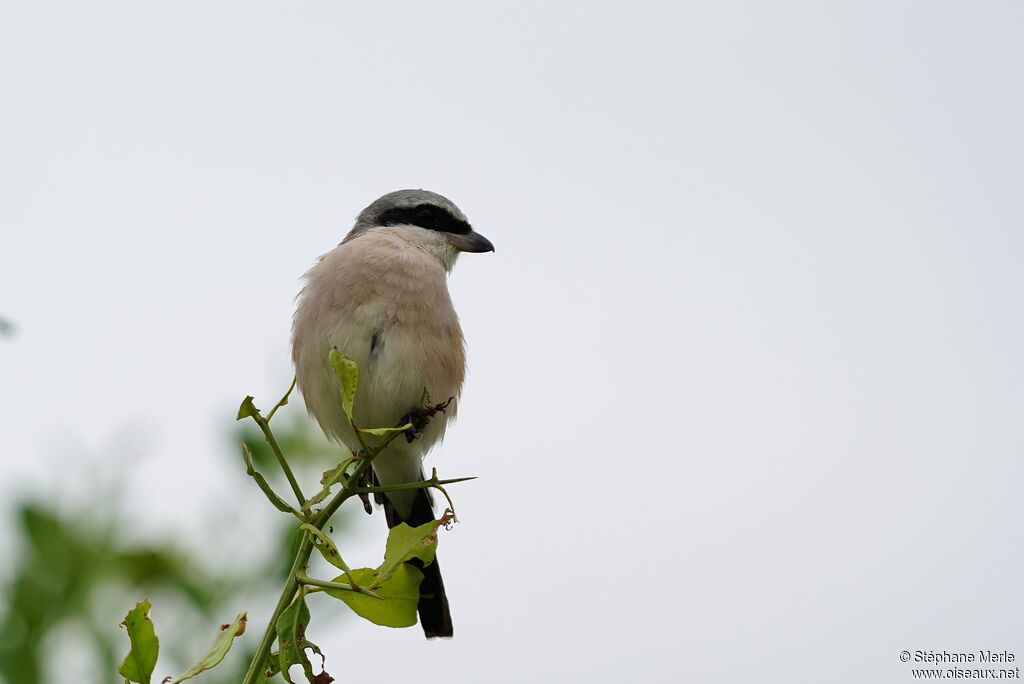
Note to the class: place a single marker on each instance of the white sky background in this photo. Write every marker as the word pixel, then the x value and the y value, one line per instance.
pixel 746 385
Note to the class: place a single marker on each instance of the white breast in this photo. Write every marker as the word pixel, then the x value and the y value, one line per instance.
pixel 385 285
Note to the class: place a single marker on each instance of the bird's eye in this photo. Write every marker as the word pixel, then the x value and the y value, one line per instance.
pixel 425 214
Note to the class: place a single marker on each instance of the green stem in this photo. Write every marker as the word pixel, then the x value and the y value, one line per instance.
pixel 406 486
pixel 359 436
pixel 284 400
pixel 325 491
pixel 437 485
pixel 297 578
pixel 451 504
pixel 272 441
pixel 279 503
pixel 324 584
pixel 327 547
pixel 349 487
pixel 291 586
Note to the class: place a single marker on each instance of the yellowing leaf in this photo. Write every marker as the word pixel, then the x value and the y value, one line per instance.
pixel 218 650
pixel 324 544
pixel 382 432
pixel 141 659
pixel 347 371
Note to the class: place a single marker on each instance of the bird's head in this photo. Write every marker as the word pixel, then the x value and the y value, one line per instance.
pixel 426 219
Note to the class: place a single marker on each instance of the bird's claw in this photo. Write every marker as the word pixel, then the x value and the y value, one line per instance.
pixel 419 418
pixel 366 480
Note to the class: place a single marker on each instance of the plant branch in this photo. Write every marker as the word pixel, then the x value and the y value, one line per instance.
pixel 329 551
pixel 297 578
pixel 272 441
pixel 279 503
pixel 291 586
pixel 451 504
pixel 284 400
pixel 324 584
pixel 325 491
pixel 305 548
pixel 359 436
pixel 349 487
pixel 406 486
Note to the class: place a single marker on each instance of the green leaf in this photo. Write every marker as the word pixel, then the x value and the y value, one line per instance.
pixel 284 399
pixel 325 546
pixel 347 371
pixel 218 650
pixel 382 432
pixel 323 662
pixel 291 637
pixel 330 478
pixel 399 596
pixel 334 475
pixel 141 659
pixel 406 543
pixel 247 409
pixel 273 665
pixel 279 503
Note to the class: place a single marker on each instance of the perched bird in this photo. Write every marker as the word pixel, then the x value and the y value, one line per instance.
pixel 381 298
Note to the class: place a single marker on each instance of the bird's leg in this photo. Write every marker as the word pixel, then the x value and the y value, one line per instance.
pixel 420 417
pixel 418 420
pixel 365 480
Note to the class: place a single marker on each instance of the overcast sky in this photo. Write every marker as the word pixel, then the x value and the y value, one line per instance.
pixel 746 390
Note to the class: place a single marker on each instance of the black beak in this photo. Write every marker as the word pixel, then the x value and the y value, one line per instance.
pixel 470 242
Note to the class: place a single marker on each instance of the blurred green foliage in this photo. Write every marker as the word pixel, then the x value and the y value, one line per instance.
pixel 62 566
pixel 67 563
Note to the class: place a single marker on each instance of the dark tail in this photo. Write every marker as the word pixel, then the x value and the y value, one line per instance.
pixel 435 617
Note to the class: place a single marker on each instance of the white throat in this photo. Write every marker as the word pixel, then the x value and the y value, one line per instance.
pixel 431 241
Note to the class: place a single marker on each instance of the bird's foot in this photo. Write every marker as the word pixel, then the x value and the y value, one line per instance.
pixel 417 421
pixel 419 418
pixel 365 480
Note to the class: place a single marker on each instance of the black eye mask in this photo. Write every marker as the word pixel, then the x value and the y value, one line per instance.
pixel 425 216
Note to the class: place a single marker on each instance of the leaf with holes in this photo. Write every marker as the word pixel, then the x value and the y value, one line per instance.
pixel 330 478
pixel 406 543
pixel 324 545
pixel 291 638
